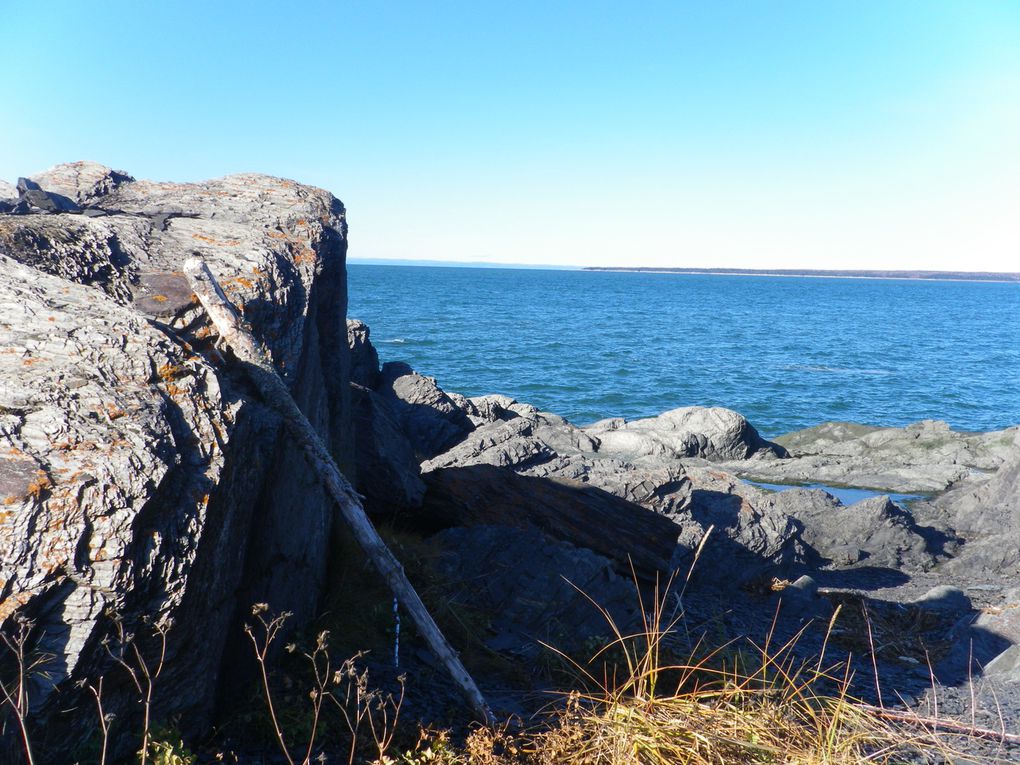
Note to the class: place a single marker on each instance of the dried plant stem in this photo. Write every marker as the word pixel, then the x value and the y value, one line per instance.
pixel 142 676
pixel 17 697
pixel 270 629
pixel 104 725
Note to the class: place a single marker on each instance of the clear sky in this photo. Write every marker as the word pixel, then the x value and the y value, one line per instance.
pixel 816 134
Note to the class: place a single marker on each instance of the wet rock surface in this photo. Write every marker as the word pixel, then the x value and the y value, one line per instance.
pixel 139 477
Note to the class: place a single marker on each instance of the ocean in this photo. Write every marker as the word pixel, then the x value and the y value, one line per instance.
pixel 786 352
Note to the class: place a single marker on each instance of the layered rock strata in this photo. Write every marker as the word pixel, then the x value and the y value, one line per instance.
pixel 139 476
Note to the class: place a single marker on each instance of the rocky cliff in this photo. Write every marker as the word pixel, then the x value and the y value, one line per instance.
pixel 139 474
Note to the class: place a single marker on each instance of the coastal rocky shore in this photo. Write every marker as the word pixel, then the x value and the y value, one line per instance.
pixel 143 482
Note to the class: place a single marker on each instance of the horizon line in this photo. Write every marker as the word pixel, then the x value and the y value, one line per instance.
pixel 1007 277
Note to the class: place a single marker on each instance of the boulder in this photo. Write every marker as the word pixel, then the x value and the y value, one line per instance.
pixel 750 537
pixel 84 183
pixel 139 475
pixel 31 197
pixel 713 433
pixel 570 511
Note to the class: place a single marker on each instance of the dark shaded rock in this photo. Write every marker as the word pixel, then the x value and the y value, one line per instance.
pixel 534 589
pixel 387 469
pixel 873 531
pixel 32 198
pixel 750 536
pixel 432 420
pixel 566 510
pixel 141 476
pixel 364 357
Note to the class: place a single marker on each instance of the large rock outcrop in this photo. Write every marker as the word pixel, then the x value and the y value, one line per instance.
pixel 139 475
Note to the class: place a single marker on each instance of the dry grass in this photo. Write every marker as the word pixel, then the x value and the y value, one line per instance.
pixel 704 712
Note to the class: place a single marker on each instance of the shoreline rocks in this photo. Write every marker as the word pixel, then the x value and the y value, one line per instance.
pixel 140 476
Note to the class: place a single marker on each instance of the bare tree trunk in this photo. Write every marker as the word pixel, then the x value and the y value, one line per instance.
pixel 275 393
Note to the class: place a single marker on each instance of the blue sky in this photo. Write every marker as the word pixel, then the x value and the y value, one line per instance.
pixel 731 134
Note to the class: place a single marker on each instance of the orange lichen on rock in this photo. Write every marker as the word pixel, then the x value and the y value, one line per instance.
pixel 218 242
pixel 114 412
pixel 40 485
pixel 169 372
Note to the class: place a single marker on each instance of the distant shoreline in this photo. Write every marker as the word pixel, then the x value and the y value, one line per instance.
pixel 955 276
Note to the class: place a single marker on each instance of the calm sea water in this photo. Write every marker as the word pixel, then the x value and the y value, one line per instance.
pixel 786 352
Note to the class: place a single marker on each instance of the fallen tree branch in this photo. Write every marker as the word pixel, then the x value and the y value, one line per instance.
pixel 932 725
pixel 275 393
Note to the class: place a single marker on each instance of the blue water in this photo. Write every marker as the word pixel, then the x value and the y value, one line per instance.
pixel 786 352
pixel 845 494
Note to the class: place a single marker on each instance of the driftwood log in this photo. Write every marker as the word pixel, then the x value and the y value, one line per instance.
pixel 260 369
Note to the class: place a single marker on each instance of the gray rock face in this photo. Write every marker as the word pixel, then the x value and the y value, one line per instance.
pixel 387 473
pixel 1003 621
pixel 8 193
pixel 570 511
pixel 432 419
pixel 924 457
pixel 137 473
pixel 873 531
pixel 535 590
